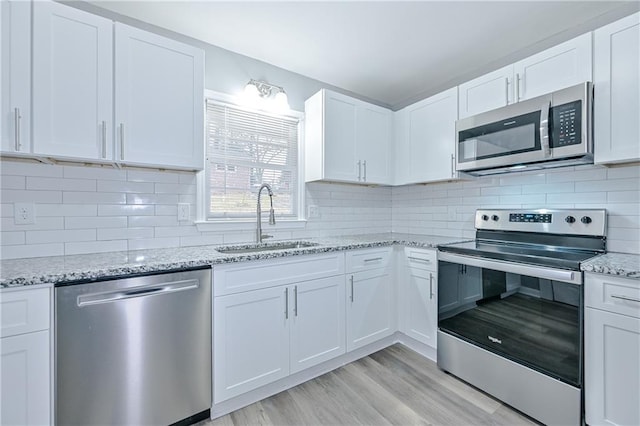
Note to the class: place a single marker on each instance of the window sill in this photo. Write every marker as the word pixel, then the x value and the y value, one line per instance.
pixel 246 225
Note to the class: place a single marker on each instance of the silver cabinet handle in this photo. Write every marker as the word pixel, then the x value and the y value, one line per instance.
pixel 104 139
pixel 114 296
pixel 629 299
pixel 18 118
pixel 544 129
pixel 453 165
pixel 295 300
pixel 351 279
pixel 286 303
pixel 430 286
pixel 517 87
pixel 364 177
pixel 373 259
pixel 506 91
pixel 122 141
pixel 359 170
pixel 417 259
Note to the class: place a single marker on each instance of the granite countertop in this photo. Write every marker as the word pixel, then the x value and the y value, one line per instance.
pixel 90 267
pixel 623 265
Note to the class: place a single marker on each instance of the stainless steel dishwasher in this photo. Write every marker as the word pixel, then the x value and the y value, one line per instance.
pixel 134 351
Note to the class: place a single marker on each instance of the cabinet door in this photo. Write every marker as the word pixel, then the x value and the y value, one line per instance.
pixel 340 157
pixel 25 379
pixel 491 91
pixel 72 82
pixel 432 133
pixel 250 341
pixel 318 322
pixel 15 72
pixel 617 94
pixel 612 371
pixel 470 284
pixel 369 307
pixel 373 135
pixel 159 100
pixel 561 66
pixel 401 147
pixel 422 306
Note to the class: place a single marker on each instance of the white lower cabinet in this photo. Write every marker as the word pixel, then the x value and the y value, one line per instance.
pixel 419 316
pixel 25 357
pixel 264 335
pixel 612 350
pixel 370 302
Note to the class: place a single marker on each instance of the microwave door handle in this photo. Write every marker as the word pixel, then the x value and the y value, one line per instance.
pixel 544 129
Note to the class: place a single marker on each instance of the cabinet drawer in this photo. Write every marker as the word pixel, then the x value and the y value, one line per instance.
pixel 24 311
pixel 366 259
pixel 421 258
pixel 613 294
pixel 239 277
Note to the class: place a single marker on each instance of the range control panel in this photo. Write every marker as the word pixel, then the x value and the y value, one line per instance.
pixel 530 217
pixel 567 221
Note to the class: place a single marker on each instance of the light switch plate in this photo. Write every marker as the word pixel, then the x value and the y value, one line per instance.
pixel 313 212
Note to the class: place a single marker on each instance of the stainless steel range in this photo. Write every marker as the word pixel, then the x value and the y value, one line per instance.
pixel 510 307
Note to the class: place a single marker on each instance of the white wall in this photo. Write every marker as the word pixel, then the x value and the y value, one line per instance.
pixel 448 208
pixel 81 209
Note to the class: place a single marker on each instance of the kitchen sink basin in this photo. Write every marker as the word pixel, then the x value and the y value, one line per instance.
pixel 258 248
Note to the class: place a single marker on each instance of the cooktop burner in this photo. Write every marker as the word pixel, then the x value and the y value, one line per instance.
pixel 555 238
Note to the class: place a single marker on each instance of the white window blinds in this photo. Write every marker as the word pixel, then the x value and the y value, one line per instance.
pixel 244 150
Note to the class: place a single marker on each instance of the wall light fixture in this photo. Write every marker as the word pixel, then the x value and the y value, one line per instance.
pixel 266 95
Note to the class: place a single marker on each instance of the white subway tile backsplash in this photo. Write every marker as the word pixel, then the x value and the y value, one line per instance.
pixel 609 185
pixel 95 222
pixel 591 173
pixel 47 210
pixel 12 237
pixel 176 231
pixel 126 210
pixel 22 196
pixel 94 172
pixel 56 184
pixel 13 182
pixel 123 186
pixel 622 172
pixel 42 223
pixel 168 210
pixel 138 221
pixel 94 198
pixel 153 243
pixel 623 196
pixel 153 176
pixel 152 198
pixel 13 167
pixel 57 236
pixel 124 233
pixel 174 188
pixel 31 250
pixel 201 240
pixel 578 197
pixel 95 247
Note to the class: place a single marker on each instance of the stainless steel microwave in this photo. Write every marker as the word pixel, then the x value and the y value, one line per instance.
pixel 552 130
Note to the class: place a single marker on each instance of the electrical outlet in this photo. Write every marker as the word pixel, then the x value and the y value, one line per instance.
pixel 24 213
pixel 313 212
pixel 183 212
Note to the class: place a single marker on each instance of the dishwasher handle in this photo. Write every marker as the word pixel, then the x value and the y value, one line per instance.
pixel 134 292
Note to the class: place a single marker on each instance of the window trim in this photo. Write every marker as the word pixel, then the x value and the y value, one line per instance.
pixel 204 223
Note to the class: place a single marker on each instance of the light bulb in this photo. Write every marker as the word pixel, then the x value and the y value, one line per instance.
pixel 281 101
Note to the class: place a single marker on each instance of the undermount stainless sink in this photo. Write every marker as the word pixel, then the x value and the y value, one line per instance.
pixel 257 248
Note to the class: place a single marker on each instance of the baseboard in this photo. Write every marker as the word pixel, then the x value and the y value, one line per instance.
pixel 240 401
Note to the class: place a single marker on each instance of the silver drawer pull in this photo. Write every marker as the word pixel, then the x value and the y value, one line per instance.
pixel 375 259
pixel 630 299
pixel 417 259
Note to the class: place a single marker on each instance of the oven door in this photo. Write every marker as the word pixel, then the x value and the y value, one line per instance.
pixel 531 315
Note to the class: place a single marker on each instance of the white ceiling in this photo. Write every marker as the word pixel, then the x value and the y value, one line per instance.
pixel 388 51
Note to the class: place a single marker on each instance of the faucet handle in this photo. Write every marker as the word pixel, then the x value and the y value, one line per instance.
pixel 265 236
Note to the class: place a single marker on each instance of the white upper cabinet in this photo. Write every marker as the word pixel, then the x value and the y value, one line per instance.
pixel 432 137
pixel 159 89
pixel 72 82
pixel 491 91
pixel 617 91
pixel 561 66
pixel 15 72
pixel 346 140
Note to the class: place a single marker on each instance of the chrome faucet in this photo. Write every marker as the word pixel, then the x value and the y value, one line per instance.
pixel 272 217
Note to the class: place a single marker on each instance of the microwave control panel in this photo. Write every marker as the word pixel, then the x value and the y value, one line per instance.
pixel 566 124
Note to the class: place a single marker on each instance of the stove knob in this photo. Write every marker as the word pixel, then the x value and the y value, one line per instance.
pixel 485 217
pixel 586 220
pixel 495 218
pixel 569 219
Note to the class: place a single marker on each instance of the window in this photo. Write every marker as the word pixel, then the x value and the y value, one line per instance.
pixel 245 149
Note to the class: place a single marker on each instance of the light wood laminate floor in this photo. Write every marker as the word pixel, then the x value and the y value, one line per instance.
pixel 394 386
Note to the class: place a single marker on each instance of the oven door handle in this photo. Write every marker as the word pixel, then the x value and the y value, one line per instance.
pixel 574 277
